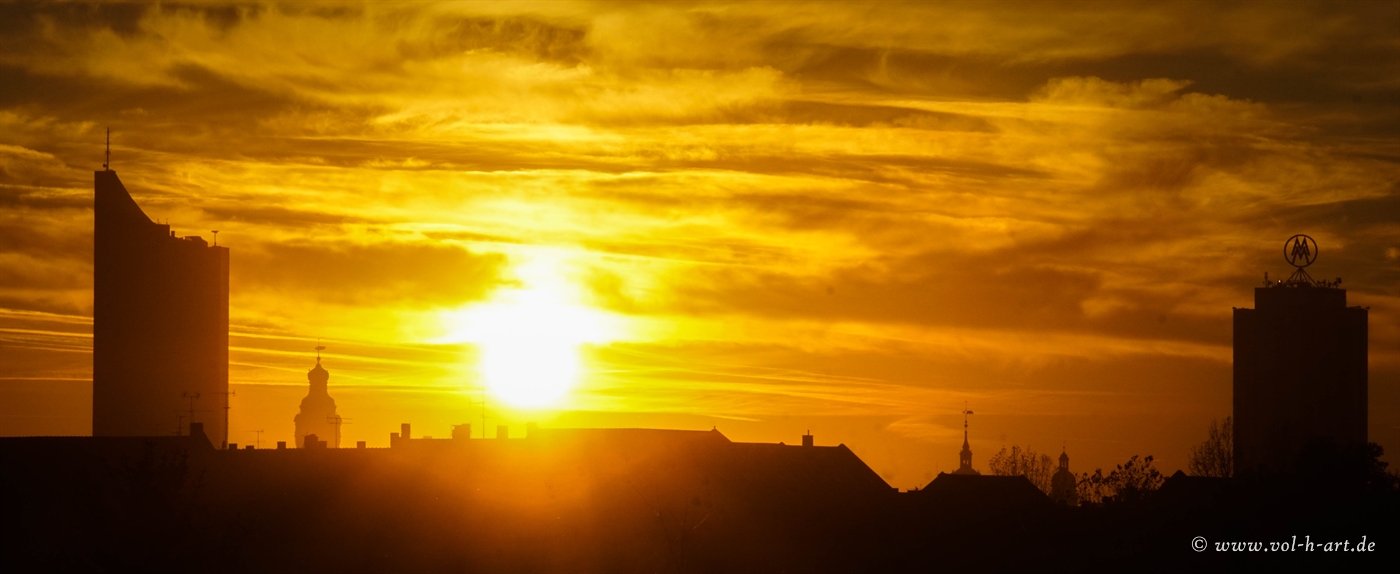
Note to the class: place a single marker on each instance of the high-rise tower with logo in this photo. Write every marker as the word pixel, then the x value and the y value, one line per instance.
pixel 1300 368
pixel 160 323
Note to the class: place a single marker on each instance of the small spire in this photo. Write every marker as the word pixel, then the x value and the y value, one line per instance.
pixel 319 348
pixel 965 456
pixel 106 165
pixel 965 412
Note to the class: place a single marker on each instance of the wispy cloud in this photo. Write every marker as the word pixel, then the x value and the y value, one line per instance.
pixel 870 209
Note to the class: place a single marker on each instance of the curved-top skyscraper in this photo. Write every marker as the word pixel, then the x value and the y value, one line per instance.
pixel 160 323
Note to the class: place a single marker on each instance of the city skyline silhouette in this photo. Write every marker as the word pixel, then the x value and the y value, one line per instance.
pixel 1156 242
pixel 872 293
pixel 184 406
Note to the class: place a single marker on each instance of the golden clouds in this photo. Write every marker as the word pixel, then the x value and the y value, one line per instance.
pixel 874 209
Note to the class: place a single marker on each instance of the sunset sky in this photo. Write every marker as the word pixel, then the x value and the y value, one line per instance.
pixel 762 217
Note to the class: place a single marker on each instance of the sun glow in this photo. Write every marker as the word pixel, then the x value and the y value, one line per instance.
pixel 529 338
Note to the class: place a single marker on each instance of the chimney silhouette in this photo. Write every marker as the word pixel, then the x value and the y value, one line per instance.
pixel 197 433
pixel 462 431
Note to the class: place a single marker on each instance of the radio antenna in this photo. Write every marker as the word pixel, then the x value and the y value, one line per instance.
pixel 106 166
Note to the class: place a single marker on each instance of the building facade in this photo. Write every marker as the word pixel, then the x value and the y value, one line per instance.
pixel 160 323
pixel 1300 374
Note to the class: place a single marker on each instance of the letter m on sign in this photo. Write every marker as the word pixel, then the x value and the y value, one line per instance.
pixel 1300 250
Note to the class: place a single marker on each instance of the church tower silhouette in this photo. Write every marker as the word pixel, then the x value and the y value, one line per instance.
pixel 1064 488
pixel 965 456
pixel 317 416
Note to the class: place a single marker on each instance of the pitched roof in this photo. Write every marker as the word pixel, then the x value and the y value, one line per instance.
pixel 989 492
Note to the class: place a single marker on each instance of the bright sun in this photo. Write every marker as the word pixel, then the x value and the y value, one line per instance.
pixel 529 338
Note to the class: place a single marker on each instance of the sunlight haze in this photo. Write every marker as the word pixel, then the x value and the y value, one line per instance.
pixel 760 217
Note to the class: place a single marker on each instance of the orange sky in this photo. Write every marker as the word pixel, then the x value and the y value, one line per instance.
pixel 765 217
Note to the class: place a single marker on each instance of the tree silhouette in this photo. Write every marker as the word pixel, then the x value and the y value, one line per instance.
pixel 146 513
pixel 1351 469
pixel 1092 488
pixel 1129 483
pixel 1132 481
pixel 1215 456
pixel 1037 468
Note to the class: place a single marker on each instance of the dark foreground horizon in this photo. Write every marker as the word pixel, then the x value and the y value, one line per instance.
pixel 852 219
pixel 635 500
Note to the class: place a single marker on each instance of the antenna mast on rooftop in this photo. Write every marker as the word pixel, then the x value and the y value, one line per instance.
pixel 192 398
pixel 106 165
pixel 336 421
pixel 226 395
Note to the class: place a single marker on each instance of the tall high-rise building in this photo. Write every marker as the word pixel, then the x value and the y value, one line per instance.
pixel 1300 369
pixel 160 323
